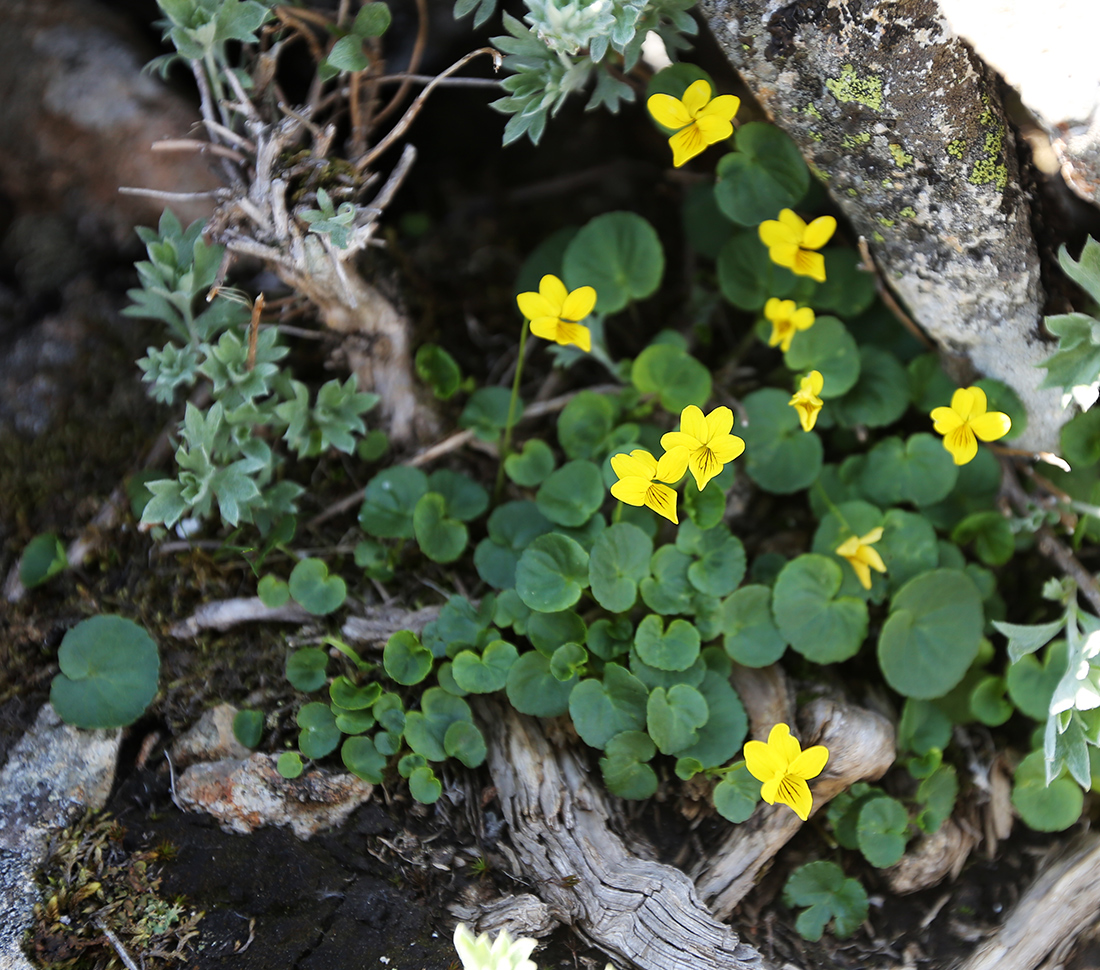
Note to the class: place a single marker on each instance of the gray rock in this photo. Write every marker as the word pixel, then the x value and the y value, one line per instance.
pixel 51 775
pixel 244 794
pixel 210 739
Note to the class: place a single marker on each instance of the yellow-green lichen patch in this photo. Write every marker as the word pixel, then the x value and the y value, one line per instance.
pixel 866 91
pixel 888 184
pixel 901 159
pixel 994 141
pixel 956 148
pixel 878 236
pixel 908 212
pixel 812 111
pixel 987 171
pixel 853 193
pixel 854 141
pixel 815 136
pixel 888 223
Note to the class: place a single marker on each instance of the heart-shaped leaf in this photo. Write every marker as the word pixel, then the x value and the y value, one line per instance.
pixel 600 709
pixel 426 729
pixel 314 589
pixel 486 673
pixel 816 622
pixel 676 648
pixel 319 735
pixel 674 716
pixel 618 563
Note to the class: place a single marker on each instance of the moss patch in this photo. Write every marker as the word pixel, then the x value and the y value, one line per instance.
pixel 866 91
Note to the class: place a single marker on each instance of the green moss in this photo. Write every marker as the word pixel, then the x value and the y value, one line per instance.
pixel 854 141
pixel 956 148
pixel 901 159
pixel 851 87
pixel 908 212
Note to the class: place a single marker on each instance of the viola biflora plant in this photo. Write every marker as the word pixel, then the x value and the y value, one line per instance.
pixel 602 581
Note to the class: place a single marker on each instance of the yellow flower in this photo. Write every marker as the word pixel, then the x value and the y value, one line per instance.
pixel 698 119
pixel 785 321
pixel 555 313
pixel 966 421
pixel 784 768
pixel 703 444
pixel 640 478
pixel 790 243
pixel 504 953
pixel 862 557
pixel 806 400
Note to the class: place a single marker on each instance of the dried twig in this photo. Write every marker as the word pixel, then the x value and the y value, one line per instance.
pixel 195 145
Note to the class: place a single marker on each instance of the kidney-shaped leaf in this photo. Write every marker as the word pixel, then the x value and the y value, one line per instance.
pixel 820 625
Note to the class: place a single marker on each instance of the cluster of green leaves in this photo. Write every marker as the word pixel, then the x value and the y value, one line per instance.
pixel 565 43
pixel 348 54
pixel 200 29
pixel 224 455
pixel 1077 360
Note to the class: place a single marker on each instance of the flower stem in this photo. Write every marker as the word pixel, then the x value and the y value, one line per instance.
pixel 506 442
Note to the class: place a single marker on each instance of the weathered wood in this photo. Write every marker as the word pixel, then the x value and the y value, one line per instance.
pixel 638 911
pixel 905 125
pixel 861 748
pixel 1061 902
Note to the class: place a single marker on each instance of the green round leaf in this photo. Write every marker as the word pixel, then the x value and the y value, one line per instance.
pixel 727 723
pixel 620 255
pixel 1031 684
pixel 919 471
pixel 705 227
pixel 571 494
pixel 486 413
pixel 426 729
pixel 373 446
pixel 389 500
pixel 882 830
pixel 465 499
pixel 764 175
pixel 388 712
pixel 668 590
pixel 609 639
pixel 424 786
pixel 319 735
pixel 585 423
pixel 530 467
pixel 750 634
pixel 929 385
pixel 273 592
pixel 465 742
pixel 438 369
pixel 248 727
pixel 881 394
pixel 848 288
pixel 1081 439
pixel 363 759
pixel 373 20
pixel 440 538
pixel 387 743
pixel 624 769
pixel 779 456
pixel 290 764
pixel 487 673
pixel 533 689
pixel 43 557
pixel 721 563
pixel 677 378
pixel 305 669
pixel 827 347
pixel 313 588
pixel 932 634
pixel 406 659
pixel 823 888
pixel 351 697
pixel 748 277
pixel 600 709
pixel 988 702
pixel 816 622
pixel 618 563
pixel 908 546
pixel 1045 808
pixel 991 534
pixel 548 631
pixel 674 649
pixel 552 573
pixel 567 662
pixel 353 722
pixel 937 793
pixel 849 519
pixel 347 54
pixel 737 794
pixel 674 716
pixel 512 527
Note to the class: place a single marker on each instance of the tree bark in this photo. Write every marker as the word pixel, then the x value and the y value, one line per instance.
pixel 904 124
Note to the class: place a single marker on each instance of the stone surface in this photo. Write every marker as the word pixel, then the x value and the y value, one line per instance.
pixel 905 126
pixel 245 794
pixel 211 738
pixel 51 775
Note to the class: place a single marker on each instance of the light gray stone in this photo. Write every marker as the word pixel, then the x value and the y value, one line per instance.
pixel 211 738
pixel 51 775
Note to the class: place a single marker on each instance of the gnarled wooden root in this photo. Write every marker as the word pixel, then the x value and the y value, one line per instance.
pixel 638 911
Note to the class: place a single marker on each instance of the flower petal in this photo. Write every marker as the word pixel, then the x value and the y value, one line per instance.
pixel 578 304
pixel 862 571
pixel 807 263
pixel 554 291
pixel 704 466
pixel 813 382
pixel 870 556
pixel 724 106
pixel 668 111
pixel 769 791
pixel 803 318
pixel 546 327
pixel 962 402
pixel 713 129
pixel 662 500
pixel 791 219
pixel 795 793
pixel 534 305
pixel 810 763
pixel 686 144
pixel 991 425
pixel 962 444
pixel 776 309
pixel 945 420
pixel 780 741
pixel 762 761
pixel 873 536
pixel 633 466
pixel 719 423
pixel 693 423
pixel 847 549
pixel 784 254
pixel 726 448
pixel 631 490
pixel 673 464
pixel 696 97
pixel 774 233
pixel 819 232
pixel 574 333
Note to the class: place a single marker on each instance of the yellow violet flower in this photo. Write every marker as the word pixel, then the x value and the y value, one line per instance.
pixel 967 420
pixel 699 119
pixel 784 768
pixel 703 444
pixel 503 954
pixel 786 321
pixel 640 478
pixel 555 312
pixel 862 557
pixel 791 242
pixel 806 400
